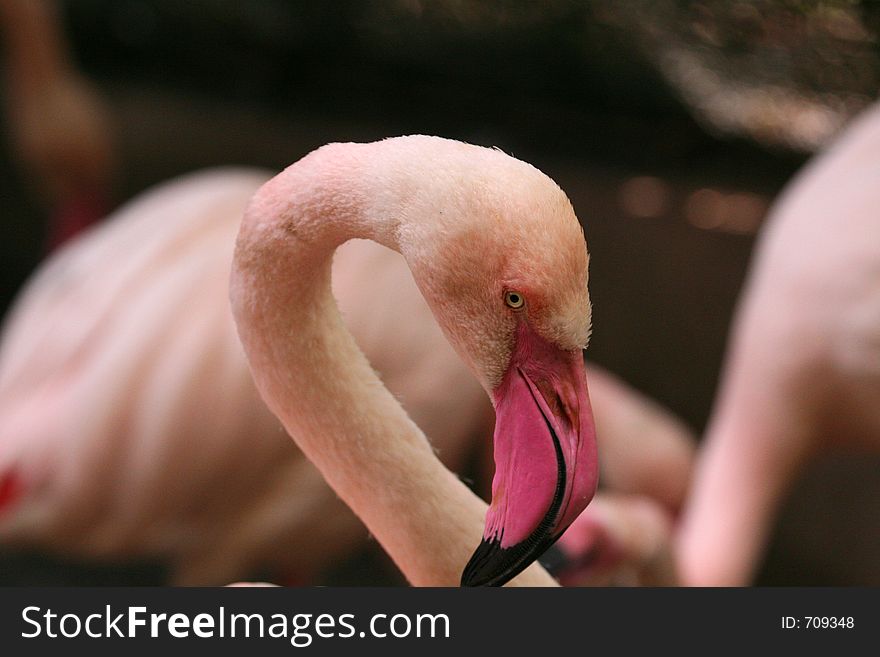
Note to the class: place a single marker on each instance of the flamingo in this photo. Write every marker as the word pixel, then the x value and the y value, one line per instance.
pixel 130 427
pixel 802 377
pixel 129 424
pixel 500 257
pixel 59 125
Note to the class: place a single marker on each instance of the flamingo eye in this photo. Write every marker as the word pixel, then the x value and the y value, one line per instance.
pixel 514 299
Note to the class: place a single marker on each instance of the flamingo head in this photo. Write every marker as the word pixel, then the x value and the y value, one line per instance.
pixel 504 268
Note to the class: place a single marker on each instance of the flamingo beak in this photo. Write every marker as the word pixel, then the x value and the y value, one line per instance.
pixel 546 467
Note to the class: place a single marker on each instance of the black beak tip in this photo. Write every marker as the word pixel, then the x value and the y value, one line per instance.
pixel 484 567
pixel 493 565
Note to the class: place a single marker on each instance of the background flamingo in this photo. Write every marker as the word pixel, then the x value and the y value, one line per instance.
pixel 111 344
pixel 59 124
pixel 802 379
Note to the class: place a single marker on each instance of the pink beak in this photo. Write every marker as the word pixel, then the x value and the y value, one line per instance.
pixel 546 467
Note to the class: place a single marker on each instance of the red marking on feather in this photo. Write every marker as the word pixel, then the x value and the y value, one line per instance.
pixel 11 489
pixel 75 215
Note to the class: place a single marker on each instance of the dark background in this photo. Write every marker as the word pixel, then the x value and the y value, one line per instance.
pixel 671 169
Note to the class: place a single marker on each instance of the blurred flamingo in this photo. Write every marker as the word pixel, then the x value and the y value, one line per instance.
pixel 802 377
pixel 130 426
pixel 59 125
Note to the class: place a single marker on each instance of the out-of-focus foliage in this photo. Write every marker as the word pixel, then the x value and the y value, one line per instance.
pixel 789 72
pixel 785 72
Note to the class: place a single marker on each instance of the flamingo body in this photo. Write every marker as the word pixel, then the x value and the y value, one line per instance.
pixel 127 404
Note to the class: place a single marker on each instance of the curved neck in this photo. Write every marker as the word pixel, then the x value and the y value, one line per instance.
pixel 314 378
